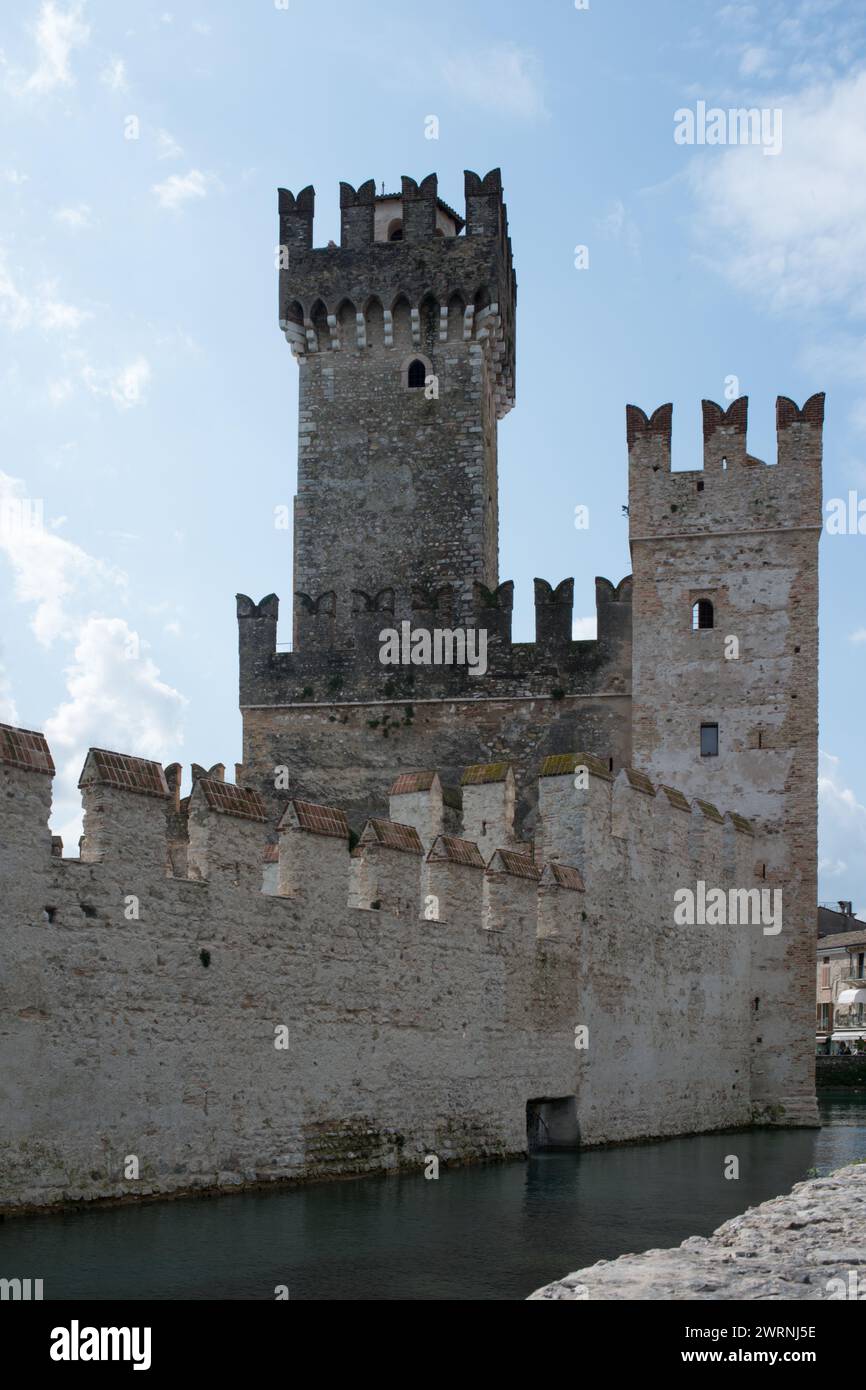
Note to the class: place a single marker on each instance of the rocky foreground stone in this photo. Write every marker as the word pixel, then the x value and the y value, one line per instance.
pixel 808 1244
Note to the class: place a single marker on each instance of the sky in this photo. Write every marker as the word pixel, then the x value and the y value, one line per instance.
pixel 149 400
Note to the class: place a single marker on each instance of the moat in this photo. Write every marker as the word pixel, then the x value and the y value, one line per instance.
pixel 481 1233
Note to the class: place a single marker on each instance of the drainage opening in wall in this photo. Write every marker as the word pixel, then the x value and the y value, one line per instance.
pixel 551 1124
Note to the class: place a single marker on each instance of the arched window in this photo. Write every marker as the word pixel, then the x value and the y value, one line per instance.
pixel 395 230
pixel 417 374
pixel 702 614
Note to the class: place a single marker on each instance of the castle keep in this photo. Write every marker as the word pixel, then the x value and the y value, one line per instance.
pixel 219 988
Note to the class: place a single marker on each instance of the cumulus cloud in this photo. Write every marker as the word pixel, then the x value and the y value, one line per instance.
pixel 21 307
pixel 115 699
pixel 179 189
pixel 792 230
pixel 59 31
pixel 50 574
pixel 8 712
pixel 584 629
pixel 842 835
pixel 510 80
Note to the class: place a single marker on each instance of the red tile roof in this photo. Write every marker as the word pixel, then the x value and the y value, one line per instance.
pixel 517 865
pixel 25 749
pixel 318 820
pixel 448 849
pixel 481 773
pixel 228 800
pixel 568 877
pixel 139 775
pixel 411 782
pixel 393 836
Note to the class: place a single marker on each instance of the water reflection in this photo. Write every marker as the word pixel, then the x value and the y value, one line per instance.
pixel 478 1233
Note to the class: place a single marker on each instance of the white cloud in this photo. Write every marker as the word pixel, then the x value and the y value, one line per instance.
pixel 20 308
pixel 508 80
pixel 8 711
pixel 842 834
pixel 56 317
pixel 76 218
pixel 113 75
pixel 58 33
pixel 584 629
pixel 182 188
pixel 49 573
pixel 167 146
pixel 792 229
pixel 16 311
pixel 115 699
pixel 14 176
pixel 126 386
pixel 858 636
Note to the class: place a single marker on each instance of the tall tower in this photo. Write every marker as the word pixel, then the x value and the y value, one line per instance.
pixel 725 683
pixel 404 337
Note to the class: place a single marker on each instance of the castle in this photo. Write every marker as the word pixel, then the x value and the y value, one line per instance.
pixel 217 992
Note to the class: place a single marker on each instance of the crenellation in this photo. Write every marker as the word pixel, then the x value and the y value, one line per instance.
pixel 434 956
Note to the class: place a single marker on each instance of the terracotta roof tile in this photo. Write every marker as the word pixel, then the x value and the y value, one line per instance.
pixel 25 749
pixel 639 781
pixel 229 800
pixel 676 798
pixel 139 775
pixel 709 810
pixel 271 854
pixel 448 849
pixel 843 938
pixel 411 782
pixel 741 823
pixel 565 764
pixel 481 773
pixel 568 877
pixel 318 820
pixel 393 836
pixel 517 865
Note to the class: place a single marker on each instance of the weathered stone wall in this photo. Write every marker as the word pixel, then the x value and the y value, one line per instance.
pixel 342 722
pixel 743 536
pixel 397 486
pixel 407 1035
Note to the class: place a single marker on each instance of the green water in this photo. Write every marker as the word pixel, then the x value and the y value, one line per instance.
pixel 495 1232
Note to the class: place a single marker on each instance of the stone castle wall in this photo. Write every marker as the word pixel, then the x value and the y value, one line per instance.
pixel 139 1008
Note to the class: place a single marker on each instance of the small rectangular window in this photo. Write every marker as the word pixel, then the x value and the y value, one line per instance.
pixel 709 740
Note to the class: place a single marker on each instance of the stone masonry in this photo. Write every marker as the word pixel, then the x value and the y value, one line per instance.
pixel 461 927
pixel 430 1003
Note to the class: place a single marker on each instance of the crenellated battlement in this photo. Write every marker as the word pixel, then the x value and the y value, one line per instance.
pixel 375 292
pixel 128 811
pixel 425 985
pixel 340 653
pixel 732 491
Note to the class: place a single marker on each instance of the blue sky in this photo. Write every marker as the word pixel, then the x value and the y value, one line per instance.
pixel 149 399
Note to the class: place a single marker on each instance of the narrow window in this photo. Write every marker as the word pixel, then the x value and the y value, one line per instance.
pixel 825 973
pixel 702 614
pixel 861 965
pixel 417 373
pixel 709 740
